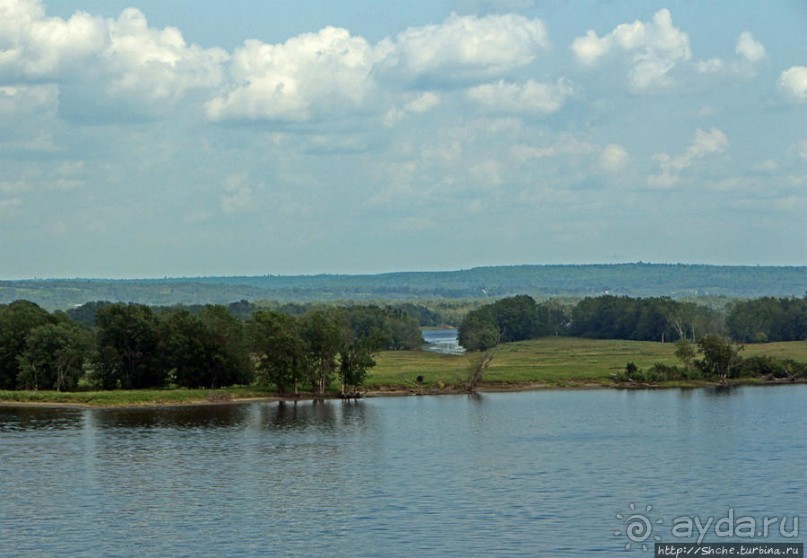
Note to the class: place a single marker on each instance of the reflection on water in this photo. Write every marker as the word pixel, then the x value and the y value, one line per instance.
pixel 541 473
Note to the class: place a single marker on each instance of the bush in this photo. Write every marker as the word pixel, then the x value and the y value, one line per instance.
pixel 761 366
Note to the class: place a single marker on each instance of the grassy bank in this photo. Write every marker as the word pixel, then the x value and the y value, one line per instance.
pixel 549 362
pixel 144 397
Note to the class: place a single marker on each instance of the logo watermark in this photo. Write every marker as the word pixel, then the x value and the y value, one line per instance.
pixel 643 529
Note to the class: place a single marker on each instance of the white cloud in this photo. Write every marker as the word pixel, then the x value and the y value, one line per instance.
pixel 653 49
pixel 704 143
pixel 416 104
pixel 18 100
pixel 530 97
pixel 793 83
pixel 750 53
pixel 156 64
pixel 311 74
pixel 749 48
pixel 121 57
pixel 40 47
pixel 613 157
pixel 464 48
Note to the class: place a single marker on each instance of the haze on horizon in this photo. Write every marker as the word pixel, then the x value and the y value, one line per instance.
pixel 141 138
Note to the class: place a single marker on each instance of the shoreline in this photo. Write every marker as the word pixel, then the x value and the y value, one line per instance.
pixel 392 391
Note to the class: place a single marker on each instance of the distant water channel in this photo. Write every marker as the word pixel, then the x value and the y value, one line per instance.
pixel 444 341
pixel 501 474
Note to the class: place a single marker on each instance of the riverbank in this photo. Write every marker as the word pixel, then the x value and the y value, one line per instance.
pixel 548 363
pixel 123 399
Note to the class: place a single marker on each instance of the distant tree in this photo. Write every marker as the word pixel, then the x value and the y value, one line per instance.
pixel 281 351
pixel 231 363
pixel 685 352
pixel 54 356
pixel 479 331
pixel 321 332
pixel 475 372
pixel 768 319
pixel 517 318
pixel 720 358
pixel 17 320
pixel 127 348
pixel 85 314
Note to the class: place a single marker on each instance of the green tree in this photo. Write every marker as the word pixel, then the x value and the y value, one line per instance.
pixel 685 352
pixel 281 351
pixel 16 322
pixel 479 331
pixel 54 356
pixel 720 357
pixel 231 363
pixel 127 348
pixel 359 341
pixel 321 332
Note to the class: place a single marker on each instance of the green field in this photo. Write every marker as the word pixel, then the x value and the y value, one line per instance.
pixel 552 361
pixel 547 362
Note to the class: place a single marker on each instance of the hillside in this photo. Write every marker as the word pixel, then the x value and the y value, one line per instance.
pixel 540 281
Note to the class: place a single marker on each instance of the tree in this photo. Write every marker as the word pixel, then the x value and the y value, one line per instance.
pixel 685 352
pixel 17 320
pixel 720 357
pixel 321 332
pixel 475 372
pixel 231 363
pixel 54 356
pixel 127 348
pixel 478 331
pixel 358 344
pixel 282 360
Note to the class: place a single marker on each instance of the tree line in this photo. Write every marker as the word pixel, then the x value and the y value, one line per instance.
pixel 134 346
pixel 638 319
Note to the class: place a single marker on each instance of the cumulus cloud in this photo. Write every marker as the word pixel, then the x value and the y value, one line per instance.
pixel 530 97
pixel 464 48
pixel 653 49
pixel 121 58
pixel 793 83
pixel 749 48
pixel 750 53
pixel 39 47
pixel 313 73
pixel 156 64
pixel 704 143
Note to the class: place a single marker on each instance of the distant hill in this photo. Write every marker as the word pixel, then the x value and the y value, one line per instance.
pixel 540 281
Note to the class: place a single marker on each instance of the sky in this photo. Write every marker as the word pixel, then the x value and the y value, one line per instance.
pixel 145 138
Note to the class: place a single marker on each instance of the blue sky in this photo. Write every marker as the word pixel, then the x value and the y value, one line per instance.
pixel 147 138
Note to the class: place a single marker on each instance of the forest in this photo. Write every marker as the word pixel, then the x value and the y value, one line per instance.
pixel 696 330
pixel 660 319
pixel 678 281
pixel 316 348
pixel 133 346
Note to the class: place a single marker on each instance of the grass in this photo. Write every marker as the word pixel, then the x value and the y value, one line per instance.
pixel 550 361
pixel 553 361
pixel 143 397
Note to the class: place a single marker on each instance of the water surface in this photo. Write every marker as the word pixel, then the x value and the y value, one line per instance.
pixel 535 473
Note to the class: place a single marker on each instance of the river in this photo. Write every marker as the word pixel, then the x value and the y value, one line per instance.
pixel 544 473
